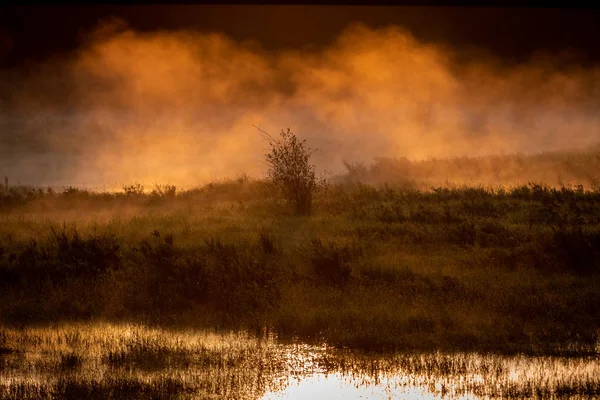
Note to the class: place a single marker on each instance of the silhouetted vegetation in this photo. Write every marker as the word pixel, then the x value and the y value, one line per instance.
pixel 290 170
pixel 554 168
pixel 112 388
pixel 510 269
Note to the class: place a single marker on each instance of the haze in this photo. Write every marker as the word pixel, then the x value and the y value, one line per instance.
pixel 178 106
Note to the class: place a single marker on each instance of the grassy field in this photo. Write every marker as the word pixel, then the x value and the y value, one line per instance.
pixel 375 267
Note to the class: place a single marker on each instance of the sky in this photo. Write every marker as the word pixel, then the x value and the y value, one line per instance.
pixel 108 95
pixel 511 33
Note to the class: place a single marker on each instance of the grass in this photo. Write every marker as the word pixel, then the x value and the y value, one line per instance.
pixel 505 269
pixel 113 388
pixel 132 361
pixel 70 361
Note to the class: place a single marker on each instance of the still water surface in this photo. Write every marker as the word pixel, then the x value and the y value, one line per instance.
pixel 124 361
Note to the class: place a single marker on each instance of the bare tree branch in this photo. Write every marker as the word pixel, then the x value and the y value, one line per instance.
pixel 265 135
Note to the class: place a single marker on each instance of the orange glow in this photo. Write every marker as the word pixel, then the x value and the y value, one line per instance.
pixel 178 107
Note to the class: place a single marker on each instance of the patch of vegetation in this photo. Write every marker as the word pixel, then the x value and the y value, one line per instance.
pixel 111 388
pixel 135 189
pixel 512 269
pixel 290 170
pixel 148 354
pixel 70 361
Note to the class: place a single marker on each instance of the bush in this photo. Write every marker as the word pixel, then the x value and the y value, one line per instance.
pixel 164 190
pixel 134 190
pixel 291 172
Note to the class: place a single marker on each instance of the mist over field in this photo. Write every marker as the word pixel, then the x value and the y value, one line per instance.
pixel 156 240
pixel 178 106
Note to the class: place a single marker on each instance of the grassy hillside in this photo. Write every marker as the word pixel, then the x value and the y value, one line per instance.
pixel 469 268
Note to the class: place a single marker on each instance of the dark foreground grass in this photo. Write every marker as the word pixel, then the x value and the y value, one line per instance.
pixel 112 388
pixel 505 270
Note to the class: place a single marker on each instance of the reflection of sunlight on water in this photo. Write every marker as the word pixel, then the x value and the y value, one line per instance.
pixel 240 365
pixel 338 386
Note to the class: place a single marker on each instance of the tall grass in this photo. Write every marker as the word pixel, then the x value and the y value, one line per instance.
pixel 108 361
pixel 513 269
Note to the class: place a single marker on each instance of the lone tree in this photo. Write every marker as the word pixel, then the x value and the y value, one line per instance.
pixel 290 170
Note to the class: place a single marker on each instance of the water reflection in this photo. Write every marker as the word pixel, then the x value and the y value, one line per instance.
pixel 339 386
pixel 131 361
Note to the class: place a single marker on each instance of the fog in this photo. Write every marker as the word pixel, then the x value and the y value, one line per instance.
pixel 178 106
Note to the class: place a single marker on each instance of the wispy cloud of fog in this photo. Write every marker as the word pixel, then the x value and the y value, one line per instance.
pixel 178 107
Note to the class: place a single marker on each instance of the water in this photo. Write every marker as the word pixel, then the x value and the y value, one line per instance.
pixel 133 361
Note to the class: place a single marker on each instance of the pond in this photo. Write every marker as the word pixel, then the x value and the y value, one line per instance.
pixel 134 361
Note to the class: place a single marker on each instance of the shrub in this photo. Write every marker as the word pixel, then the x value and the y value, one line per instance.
pixel 357 171
pixel 291 172
pixel 164 190
pixel 72 191
pixel 134 190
